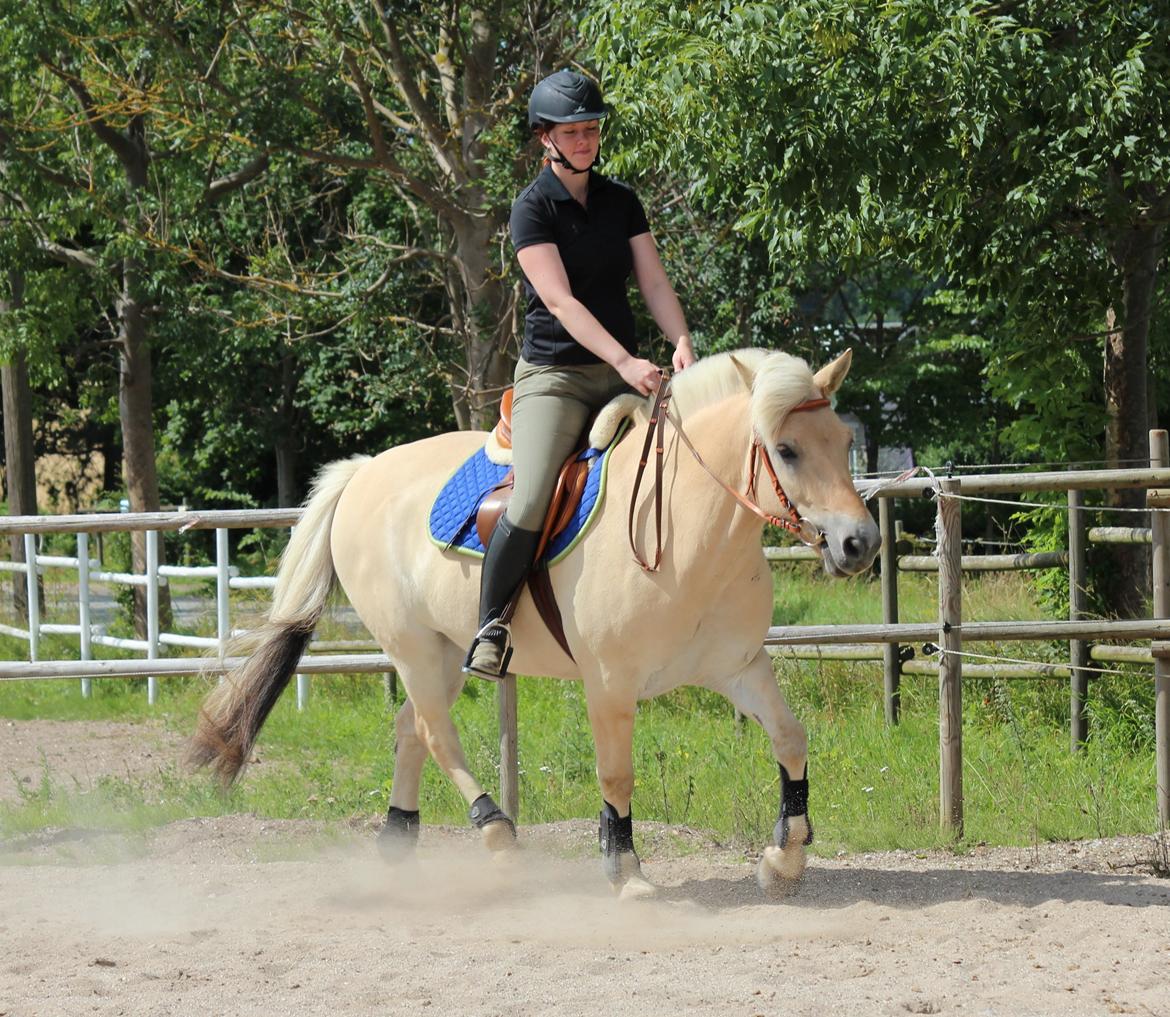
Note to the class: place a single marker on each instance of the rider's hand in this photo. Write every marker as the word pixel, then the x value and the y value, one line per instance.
pixel 684 354
pixel 640 375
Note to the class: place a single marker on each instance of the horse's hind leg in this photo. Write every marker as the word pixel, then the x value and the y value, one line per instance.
pixel 400 833
pixel 754 692
pixel 430 672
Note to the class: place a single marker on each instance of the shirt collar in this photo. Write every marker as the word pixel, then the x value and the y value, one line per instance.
pixel 551 187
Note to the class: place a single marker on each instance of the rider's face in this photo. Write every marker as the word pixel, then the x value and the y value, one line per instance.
pixel 579 143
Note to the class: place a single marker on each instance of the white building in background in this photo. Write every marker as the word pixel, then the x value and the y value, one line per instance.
pixel 890 460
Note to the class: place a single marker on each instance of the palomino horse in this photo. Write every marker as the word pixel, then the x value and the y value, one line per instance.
pixel 700 620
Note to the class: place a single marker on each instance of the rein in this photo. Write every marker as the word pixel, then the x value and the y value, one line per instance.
pixel 659 414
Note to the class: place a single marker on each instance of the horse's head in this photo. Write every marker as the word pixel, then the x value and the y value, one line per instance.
pixel 809 450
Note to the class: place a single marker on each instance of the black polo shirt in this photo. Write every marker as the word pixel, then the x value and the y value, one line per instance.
pixel 594 244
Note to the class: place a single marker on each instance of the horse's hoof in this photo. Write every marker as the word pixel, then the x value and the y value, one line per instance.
pixel 499 836
pixel 779 870
pixel 396 850
pixel 636 888
pixel 399 835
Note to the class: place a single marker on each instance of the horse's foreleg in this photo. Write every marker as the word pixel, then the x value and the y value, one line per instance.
pixel 754 692
pixel 433 682
pixel 612 721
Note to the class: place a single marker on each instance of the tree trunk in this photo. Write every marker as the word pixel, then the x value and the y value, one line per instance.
pixel 287 437
pixel 482 313
pixel 136 415
pixel 19 455
pixel 1127 404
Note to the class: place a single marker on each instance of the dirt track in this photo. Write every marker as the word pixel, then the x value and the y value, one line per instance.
pixel 248 916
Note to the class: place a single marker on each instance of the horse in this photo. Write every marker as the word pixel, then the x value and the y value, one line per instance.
pixel 634 632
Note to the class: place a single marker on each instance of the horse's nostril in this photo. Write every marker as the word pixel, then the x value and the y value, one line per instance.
pixel 852 548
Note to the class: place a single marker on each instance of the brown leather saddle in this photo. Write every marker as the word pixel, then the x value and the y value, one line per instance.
pixel 570 486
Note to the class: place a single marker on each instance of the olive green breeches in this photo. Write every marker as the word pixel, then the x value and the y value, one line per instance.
pixel 549 410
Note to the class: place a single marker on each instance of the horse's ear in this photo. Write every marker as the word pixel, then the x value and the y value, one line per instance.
pixel 828 379
pixel 745 373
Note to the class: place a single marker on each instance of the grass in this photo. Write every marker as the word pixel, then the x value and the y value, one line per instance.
pixel 873 788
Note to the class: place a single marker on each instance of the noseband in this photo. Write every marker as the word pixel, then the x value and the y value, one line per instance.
pixel 801 528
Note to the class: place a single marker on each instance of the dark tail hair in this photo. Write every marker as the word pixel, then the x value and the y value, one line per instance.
pixel 235 711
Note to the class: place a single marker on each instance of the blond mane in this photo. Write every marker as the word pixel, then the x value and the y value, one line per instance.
pixel 779 382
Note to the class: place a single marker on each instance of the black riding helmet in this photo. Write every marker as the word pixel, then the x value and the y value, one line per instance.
pixel 565 98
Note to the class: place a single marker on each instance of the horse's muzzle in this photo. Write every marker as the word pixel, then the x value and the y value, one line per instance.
pixel 850 543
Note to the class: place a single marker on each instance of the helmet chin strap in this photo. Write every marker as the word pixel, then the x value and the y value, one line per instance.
pixel 560 158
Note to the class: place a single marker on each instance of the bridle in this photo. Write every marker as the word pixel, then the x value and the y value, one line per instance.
pixel 795 524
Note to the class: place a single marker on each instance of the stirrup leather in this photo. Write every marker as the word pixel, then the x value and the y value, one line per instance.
pixel 489 633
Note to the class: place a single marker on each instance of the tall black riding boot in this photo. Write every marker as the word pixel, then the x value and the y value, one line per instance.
pixel 506 563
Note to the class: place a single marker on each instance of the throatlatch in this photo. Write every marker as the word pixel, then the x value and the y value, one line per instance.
pixel 615 837
pixel 793 802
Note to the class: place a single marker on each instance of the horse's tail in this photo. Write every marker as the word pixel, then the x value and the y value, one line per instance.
pixel 234 712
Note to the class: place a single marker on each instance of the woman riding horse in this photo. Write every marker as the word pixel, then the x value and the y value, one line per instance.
pixel 577 235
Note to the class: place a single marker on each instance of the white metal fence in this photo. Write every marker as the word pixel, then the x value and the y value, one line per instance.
pixel 90 572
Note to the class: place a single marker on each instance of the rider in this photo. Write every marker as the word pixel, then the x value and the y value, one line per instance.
pixel 577 236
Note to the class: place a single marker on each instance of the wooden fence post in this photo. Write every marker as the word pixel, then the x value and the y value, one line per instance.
pixel 509 748
pixel 1078 649
pixel 950 666
pixel 892 664
pixel 1160 574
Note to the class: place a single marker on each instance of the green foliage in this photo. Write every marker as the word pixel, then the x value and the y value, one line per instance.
pixel 1005 151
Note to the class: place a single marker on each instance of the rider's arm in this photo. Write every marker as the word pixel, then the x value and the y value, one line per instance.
pixel 661 299
pixel 544 269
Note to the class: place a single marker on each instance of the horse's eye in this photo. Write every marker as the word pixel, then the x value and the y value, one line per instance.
pixel 786 453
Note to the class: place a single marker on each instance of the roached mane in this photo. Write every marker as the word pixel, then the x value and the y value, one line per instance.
pixel 781 381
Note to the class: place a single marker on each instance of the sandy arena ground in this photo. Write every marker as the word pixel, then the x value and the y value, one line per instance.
pixel 259 917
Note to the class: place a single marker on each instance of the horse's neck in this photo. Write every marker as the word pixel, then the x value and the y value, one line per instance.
pixel 699 512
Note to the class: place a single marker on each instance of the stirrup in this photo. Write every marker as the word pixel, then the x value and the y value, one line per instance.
pixel 498 635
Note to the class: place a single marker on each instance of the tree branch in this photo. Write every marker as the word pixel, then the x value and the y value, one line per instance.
pixel 52 175
pixel 402 74
pixel 377 135
pixel 129 154
pixel 69 255
pixel 220 188
pixel 433 198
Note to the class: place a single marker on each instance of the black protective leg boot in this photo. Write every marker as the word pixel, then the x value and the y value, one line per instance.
pixel 508 559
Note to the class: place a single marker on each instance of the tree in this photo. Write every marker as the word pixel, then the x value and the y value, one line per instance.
pixel 1020 151
pixel 86 132
pixel 430 103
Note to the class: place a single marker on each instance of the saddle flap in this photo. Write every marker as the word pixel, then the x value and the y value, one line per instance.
pixel 492 507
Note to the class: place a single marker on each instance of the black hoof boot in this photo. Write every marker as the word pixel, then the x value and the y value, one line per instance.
pixel 399 835
pixel 499 832
pixel 793 803
pixel 615 840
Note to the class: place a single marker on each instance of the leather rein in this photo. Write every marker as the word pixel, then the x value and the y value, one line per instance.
pixel 659 414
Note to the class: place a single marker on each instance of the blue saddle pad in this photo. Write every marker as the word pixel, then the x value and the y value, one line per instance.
pixel 475 478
